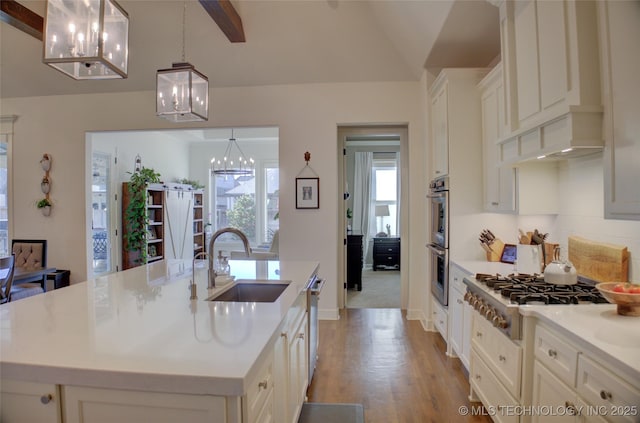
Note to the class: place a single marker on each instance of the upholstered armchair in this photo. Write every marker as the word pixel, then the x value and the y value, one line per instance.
pixel 29 254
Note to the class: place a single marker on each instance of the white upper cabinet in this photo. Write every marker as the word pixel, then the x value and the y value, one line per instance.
pixel 498 179
pixel 439 128
pixel 551 78
pixel 619 23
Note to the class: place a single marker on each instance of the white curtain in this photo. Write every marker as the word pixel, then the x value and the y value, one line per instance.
pixel 362 194
pixel 398 193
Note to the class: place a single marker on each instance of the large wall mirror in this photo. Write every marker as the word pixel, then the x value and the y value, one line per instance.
pixel 249 202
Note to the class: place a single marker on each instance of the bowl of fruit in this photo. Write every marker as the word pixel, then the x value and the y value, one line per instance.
pixel 624 294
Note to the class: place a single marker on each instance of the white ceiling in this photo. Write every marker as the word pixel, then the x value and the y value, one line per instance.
pixel 288 42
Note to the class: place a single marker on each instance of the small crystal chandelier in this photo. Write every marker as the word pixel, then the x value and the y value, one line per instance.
pixel 182 93
pixel 87 39
pixel 228 166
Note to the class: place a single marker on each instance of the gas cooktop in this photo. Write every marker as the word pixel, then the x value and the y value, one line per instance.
pixel 532 289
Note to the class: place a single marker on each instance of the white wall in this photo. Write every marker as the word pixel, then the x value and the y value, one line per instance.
pixel 158 151
pixel 307 116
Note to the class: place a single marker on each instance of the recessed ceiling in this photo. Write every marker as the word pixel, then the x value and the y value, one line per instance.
pixel 287 42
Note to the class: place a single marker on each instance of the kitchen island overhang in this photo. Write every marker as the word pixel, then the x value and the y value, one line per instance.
pixel 138 330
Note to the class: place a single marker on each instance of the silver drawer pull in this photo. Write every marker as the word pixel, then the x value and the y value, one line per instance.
pixel 605 395
pixel 478 377
pixel 45 399
pixel 552 353
pixel 263 385
pixel 502 358
pixel 479 334
pixel 301 335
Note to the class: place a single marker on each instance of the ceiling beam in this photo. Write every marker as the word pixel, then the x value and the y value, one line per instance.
pixel 22 18
pixel 225 15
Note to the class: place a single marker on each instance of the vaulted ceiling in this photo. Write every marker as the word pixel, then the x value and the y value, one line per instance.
pixel 287 42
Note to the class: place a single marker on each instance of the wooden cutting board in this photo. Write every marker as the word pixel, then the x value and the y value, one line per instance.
pixel 599 261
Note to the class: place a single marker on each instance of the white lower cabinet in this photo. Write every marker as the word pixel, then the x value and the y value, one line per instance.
pixel 96 405
pixel 291 375
pixel 440 319
pixel 565 378
pixel 459 315
pixel 29 402
pixel 495 397
pixel 259 396
pixel 502 355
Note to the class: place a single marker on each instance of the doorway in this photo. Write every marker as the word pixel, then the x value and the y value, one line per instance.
pixel 372 215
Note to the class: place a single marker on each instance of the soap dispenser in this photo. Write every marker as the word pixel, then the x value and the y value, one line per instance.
pixel 222 265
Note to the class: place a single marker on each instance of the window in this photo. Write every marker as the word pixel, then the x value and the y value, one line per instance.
pixel 4 199
pixel 384 201
pixel 100 186
pixel 249 203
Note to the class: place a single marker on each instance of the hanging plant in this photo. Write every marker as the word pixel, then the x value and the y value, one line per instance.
pixel 136 213
pixel 45 206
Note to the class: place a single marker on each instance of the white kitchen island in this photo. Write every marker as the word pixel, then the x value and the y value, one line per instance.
pixel 133 345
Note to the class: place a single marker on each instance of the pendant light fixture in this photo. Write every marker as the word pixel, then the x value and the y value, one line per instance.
pixel 182 93
pixel 229 165
pixel 87 39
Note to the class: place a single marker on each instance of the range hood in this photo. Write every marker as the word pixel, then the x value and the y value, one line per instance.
pixel 576 133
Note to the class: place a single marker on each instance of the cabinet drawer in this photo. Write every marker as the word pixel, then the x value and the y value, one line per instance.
pixel 259 390
pixel 29 402
pixel 600 387
pixel 440 319
pixel 386 248
pixel 559 356
pixel 387 259
pixel 96 405
pixel 500 353
pixel 490 391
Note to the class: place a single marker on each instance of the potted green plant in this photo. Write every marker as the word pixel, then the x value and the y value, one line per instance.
pixel 45 206
pixel 136 217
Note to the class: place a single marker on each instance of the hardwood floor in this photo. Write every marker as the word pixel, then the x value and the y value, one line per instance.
pixel 396 370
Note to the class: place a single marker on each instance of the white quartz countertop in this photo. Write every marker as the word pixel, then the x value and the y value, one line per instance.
pixel 138 330
pixel 599 329
pixel 596 327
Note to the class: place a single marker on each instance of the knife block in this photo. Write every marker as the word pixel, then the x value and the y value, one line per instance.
pixel 497 246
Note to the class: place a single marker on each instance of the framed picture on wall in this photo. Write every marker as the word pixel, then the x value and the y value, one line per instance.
pixel 307 193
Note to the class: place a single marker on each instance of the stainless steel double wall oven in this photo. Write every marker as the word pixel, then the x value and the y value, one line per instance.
pixel 439 238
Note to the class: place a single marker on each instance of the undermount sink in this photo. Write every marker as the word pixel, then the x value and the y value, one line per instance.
pixel 251 290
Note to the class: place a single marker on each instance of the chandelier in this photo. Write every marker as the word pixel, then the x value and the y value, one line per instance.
pixel 228 165
pixel 87 39
pixel 182 93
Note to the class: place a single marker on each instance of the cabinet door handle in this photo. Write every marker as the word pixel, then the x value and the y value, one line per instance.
pixel 45 399
pixel 494 203
pixel 479 334
pixel 605 395
pixel 552 353
pixel 502 358
pixel 301 335
pixel 459 301
pixel 478 377
pixel 263 385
